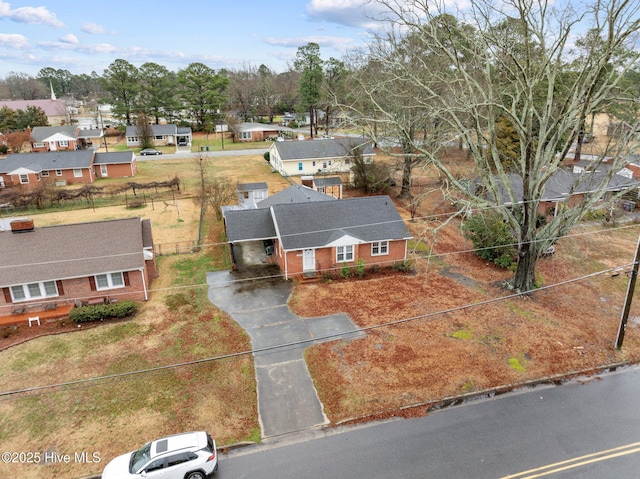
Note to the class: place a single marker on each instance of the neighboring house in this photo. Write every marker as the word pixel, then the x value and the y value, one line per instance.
pixel 327 155
pixel 93 262
pixel 162 135
pixel 311 237
pixel 301 119
pixel 570 186
pixel 251 193
pixel 29 170
pixel 56 110
pixel 294 194
pixel 259 132
pixel 121 164
pixel 329 185
pixel 63 138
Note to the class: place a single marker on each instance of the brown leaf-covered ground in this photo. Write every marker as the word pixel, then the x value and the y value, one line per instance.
pixel 427 341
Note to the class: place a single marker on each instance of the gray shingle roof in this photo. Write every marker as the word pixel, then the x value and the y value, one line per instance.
pixel 564 183
pixel 156 130
pixel 322 148
pixel 294 194
pixel 40 133
pixel 249 225
pixel 113 158
pixel 90 133
pixel 327 181
pixel 252 186
pixel 53 160
pixel 71 251
pixel 317 224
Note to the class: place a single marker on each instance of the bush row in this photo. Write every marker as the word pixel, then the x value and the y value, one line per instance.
pixel 100 312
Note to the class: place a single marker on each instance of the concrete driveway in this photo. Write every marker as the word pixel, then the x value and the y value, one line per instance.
pixel 287 398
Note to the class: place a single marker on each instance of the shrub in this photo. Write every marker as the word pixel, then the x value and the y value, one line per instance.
pixel 360 267
pixel 402 266
pixel 4 149
pixel 100 312
pixel 491 238
pixel 345 271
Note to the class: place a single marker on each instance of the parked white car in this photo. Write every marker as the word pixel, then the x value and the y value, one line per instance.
pixel 189 455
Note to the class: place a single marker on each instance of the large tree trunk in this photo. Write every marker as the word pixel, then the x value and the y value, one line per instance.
pixel 405 190
pixel 525 277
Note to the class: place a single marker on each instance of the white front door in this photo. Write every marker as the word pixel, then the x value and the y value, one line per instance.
pixel 308 260
pixel 103 171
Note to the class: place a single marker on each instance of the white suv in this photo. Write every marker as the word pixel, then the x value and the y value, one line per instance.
pixel 190 455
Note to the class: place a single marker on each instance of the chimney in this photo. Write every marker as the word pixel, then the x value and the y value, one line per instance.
pixel 22 226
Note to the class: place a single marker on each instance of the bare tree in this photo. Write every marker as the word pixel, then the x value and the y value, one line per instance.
pixel 215 191
pixel 144 131
pixel 511 59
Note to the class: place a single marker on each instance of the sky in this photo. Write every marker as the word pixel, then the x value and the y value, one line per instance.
pixel 86 36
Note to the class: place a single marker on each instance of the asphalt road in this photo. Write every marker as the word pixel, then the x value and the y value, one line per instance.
pixel 203 154
pixel 588 428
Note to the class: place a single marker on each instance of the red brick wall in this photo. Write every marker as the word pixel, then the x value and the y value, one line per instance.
pixel 117 171
pixel 80 289
pixel 326 258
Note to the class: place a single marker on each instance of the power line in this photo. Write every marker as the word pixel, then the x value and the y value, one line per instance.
pixel 433 316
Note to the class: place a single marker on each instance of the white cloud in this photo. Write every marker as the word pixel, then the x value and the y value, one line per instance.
pixel 339 43
pixel 352 13
pixel 70 38
pixel 93 28
pixel 30 15
pixel 13 40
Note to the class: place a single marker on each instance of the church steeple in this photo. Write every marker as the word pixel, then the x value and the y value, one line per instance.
pixel 53 95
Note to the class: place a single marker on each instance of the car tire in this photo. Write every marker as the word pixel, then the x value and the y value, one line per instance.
pixel 195 475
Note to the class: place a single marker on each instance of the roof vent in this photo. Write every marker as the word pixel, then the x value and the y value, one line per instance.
pixel 22 226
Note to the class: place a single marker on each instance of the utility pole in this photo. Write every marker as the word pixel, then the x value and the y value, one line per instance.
pixel 627 302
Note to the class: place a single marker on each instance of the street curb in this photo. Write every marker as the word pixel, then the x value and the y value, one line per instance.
pixel 451 401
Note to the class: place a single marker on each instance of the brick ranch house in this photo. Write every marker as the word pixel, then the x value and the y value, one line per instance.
pixel 30 170
pixel 63 138
pixel 310 233
pixel 96 262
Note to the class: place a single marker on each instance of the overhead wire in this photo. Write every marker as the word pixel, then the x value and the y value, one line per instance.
pixel 432 316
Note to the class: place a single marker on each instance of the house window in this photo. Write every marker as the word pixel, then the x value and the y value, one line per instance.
pixel 77 172
pixel 38 144
pixel 64 143
pixel 58 172
pixel 245 135
pixel 45 173
pixel 344 253
pixel 159 137
pixel 24 179
pixel 26 292
pixel 313 163
pixel 299 166
pixel 109 281
pixel 379 248
pixel 132 139
pixel 324 165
